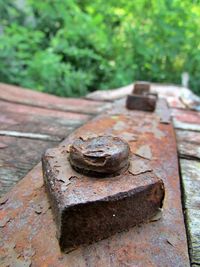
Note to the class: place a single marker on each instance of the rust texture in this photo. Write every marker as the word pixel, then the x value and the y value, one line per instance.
pixel 88 209
pixel 141 102
pixel 28 232
pixel 141 88
pixel 142 98
pixel 100 155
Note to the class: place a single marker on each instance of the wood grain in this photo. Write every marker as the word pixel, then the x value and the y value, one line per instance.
pixel 188 144
pixel 17 157
pixel 191 187
pixel 23 96
pixel 22 118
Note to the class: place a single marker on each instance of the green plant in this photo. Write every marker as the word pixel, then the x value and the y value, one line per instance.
pixel 71 47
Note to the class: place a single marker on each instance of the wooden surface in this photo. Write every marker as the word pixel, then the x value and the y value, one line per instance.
pixel 17 157
pixel 188 140
pixel 18 95
pixel 191 187
pixel 31 121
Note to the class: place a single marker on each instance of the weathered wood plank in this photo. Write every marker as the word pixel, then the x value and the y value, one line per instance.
pixel 44 137
pixel 190 171
pixel 188 144
pixel 25 133
pixel 111 95
pixel 17 157
pixel 184 119
pixel 186 126
pixel 186 116
pixel 28 97
pixel 190 100
pixel 22 118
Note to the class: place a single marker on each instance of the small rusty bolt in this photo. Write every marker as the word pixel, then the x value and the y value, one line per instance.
pixel 141 88
pixel 99 156
pixel 141 102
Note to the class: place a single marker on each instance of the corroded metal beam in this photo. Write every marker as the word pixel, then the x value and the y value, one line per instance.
pixel 28 230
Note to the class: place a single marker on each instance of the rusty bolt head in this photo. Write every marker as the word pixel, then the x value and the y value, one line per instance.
pixel 99 156
pixel 141 102
pixel 141 88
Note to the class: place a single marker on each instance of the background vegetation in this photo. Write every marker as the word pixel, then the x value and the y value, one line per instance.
pixel 71 47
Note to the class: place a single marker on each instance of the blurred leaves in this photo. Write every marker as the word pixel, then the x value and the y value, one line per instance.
pixel 70 47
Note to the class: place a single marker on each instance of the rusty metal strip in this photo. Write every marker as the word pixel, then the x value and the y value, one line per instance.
pixel 28 230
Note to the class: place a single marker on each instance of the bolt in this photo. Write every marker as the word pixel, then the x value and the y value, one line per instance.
pixel 141 102
pixel 141 88
pixel 99 156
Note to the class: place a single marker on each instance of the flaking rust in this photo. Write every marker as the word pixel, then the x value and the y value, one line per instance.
pixel 146 102
pixel 141 87
pixel 142 98
pixel 87 208
pixel 99 156
pixel 146 245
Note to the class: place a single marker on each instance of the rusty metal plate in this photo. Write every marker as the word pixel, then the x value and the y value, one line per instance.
pixel 28 230
pixel 87 208
pixel 24 118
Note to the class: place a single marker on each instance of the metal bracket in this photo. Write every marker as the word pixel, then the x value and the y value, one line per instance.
pixel 141 98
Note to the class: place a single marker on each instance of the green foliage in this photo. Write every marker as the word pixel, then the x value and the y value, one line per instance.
pixel 71 47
